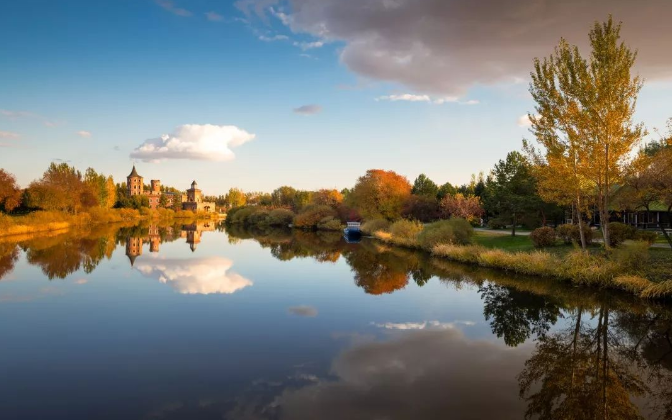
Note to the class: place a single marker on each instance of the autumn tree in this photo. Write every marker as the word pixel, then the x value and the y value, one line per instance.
pixel 283 196
pixel 61 188
pixel 422 208
pixel 583 119
pixel 235 198
pixel 326 197
pixel 465 207
pixel 10 193
pixel 301 199
pixel 424 186
pixel 260 198
pixel 380 194
pixel 101 187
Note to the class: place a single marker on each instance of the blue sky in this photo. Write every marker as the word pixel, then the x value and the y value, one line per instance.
pixel 90 82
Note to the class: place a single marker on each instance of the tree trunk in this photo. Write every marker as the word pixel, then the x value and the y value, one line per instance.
pixel 513 225
pixel 604 226
pixel 578 218
pixel 604 217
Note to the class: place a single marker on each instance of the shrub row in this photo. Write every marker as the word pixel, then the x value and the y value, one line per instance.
pixel 259 216
pixel 312 217
pixel 414 234
pixel 618 233
pixel 45 221
pixel 579 267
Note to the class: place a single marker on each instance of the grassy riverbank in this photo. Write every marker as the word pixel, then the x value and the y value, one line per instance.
pixel 632 267
pixel 50 221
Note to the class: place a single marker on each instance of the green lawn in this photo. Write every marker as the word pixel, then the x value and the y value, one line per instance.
pixel 505 242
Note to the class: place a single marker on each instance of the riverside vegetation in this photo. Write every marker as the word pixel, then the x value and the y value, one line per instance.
pixel 621 268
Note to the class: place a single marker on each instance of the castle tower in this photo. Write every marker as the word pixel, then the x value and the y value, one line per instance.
pixel 156 186
pixel 194 194
pixel 134 183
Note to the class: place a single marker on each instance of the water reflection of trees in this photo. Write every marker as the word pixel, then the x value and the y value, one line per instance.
pixel 515 315
pixel 9 254
pixel 61 254
pixel 377 268
pixel 596 355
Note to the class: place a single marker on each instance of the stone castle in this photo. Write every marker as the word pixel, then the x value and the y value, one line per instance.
pixel 192 200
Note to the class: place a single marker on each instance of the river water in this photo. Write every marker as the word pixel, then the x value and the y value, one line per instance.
pixel 189 321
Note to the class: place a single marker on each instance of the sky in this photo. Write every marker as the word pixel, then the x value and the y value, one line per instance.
pixel 256 94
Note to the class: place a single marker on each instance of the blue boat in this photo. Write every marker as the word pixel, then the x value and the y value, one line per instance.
pixel 352 231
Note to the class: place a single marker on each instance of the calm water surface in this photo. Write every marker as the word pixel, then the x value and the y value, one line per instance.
pixel 192 322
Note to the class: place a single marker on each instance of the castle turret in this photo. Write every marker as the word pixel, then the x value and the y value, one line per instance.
pixel 134 183
pixel 194 194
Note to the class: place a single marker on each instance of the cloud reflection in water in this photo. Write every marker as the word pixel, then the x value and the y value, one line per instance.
pixel 426 374
pixel 202 276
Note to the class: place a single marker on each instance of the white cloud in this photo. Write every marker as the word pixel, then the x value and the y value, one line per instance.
pixel 405 97
pixel 524 121
pixel 308 109
pixel 195 276
pixel 273 38
pixel 408 97
pixel 214 17
pixel 195 142
pixel 282 16
pixel 446 47
pixel 84 133
pixel 9 135
pixel 170 6
pixel 305 46
pixel 81 281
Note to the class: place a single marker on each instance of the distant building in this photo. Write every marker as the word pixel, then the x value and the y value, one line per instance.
pixel 134 183
pixel 136 186
pixel 194 201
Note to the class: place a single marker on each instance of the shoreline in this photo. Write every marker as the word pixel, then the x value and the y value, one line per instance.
pixel 35 223
pixel 578 268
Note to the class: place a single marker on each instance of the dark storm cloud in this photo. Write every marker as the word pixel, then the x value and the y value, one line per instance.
pixel 446 46
pixel 423 375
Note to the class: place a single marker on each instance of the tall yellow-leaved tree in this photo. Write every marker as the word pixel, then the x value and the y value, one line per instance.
pixel 583 120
